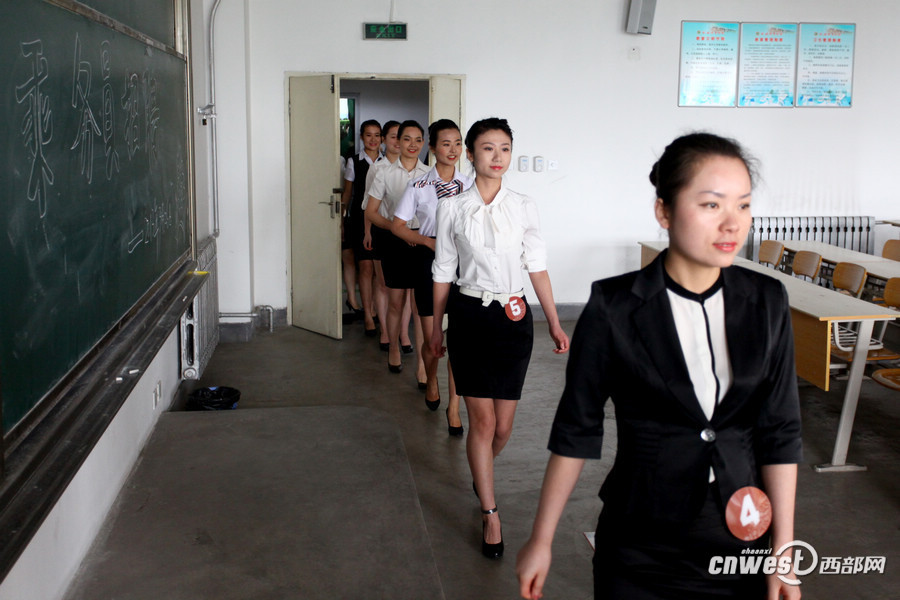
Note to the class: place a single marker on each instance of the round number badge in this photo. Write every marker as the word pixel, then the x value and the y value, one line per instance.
pixel 748 513
pixel 516 308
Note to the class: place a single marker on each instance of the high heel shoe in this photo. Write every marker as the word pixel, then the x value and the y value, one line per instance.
pixel 384 346
pixel 490 550
pixel 454 431
pixel 356 312
pixel 432 404
pixel 395 368
pixel 407 349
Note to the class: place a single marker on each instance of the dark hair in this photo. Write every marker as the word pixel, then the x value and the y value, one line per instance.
pixel 678 164
pixel 438 126
pixel 369 123
pixel 483 126
pixel 387 127
pixel 407 124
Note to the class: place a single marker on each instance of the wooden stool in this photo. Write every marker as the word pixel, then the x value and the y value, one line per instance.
pixel 889 378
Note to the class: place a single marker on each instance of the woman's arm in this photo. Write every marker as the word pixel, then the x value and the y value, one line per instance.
pixel 374 216
pixel 533 562
pixel 541 283
pixel 780 482
pixel 441 293
pixel 413 238
pixel 345 197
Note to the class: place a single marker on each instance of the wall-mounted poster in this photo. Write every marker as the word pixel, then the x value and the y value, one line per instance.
pixel 709 61
pixel 768 63
pixel 825 65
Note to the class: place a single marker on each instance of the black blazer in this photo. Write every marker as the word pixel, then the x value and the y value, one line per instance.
pixel 626 347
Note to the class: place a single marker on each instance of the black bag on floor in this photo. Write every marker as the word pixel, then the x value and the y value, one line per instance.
pixel 214 398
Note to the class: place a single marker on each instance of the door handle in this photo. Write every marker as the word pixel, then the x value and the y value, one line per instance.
pixel 334 206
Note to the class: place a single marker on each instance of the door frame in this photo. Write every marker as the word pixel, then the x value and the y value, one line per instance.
pixel 428 77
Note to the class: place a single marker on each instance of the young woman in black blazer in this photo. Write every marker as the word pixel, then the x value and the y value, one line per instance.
pixel 697 356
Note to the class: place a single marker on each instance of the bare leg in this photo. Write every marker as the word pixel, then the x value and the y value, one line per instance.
pixel 405 319
pixel 396 299
pixel 381 301
pixel 349 264
pixel 430 361
pixel 490 423
pixel 421 371
pixel 366 272
pixel 453 405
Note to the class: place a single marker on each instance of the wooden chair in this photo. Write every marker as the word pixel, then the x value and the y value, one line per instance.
pixel 849 278
pixel 806 264
pixel 891 250
pixel 771 252
pixel 844 338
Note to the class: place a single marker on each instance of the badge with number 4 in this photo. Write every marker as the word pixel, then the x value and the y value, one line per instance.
pixel 516 308
pixel 748 513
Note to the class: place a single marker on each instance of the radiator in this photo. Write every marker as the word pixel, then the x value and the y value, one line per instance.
pixel 200 322
pixel 854 233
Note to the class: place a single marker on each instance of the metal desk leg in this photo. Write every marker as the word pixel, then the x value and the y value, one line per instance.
pixel 851 399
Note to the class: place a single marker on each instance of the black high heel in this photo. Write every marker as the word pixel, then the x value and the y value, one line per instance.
pixel 432 404
pixel 356 312
pixel 395 368
pixel 490 550
pixel 454 431
pixel 407 349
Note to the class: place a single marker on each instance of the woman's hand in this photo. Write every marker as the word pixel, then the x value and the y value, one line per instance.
pixel 532 566
pixel 367 240
pixel 436 344
pixel 559 338
pixel 777 589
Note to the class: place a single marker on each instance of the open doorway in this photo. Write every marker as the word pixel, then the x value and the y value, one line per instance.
pixel 314 139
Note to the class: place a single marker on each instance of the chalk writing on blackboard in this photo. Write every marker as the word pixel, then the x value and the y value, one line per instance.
pixel 109 118
pixel 130 104
pixel 81 91
pixel 37 124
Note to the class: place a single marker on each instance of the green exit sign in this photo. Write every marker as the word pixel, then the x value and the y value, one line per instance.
pixel 384 31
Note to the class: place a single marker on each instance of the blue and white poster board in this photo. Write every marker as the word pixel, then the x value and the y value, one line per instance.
pixel 825 65
pixel 709 63
pixel 767 65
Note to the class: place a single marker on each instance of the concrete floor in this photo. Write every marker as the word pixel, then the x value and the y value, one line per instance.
pixel 157 545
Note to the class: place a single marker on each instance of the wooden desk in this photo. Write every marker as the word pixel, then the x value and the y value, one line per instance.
pixel 814 310
pixel 876 266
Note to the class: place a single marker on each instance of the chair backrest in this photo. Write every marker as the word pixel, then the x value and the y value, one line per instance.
pixel 807 264
pixel 892 292
pixel 849 277
pixel 770 252
pixel 891 250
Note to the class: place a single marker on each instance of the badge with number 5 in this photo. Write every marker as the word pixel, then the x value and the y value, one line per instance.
pixel 516 308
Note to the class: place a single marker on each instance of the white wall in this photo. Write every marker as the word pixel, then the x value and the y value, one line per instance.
pixel 54 553
pixel 564 76
pixel 388 101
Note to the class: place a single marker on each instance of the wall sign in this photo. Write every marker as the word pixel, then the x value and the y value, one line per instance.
pixel 709 59
pixel 768 64
pixel 384 31
pixel 825 65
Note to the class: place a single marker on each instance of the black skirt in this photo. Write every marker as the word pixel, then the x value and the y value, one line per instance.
pixel 489 352
pixel 424 286
pixel 640 561
pixel 398 261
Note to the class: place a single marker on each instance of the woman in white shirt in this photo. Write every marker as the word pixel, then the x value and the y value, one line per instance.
pixel 419 202
pixel 396 255
pixel 489 234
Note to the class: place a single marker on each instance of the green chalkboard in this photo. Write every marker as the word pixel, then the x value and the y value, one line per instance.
pixel 94 189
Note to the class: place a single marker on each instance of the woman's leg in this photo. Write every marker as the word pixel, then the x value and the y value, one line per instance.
pixel 405 318
pixel 421 371
pixel 453 403
pixel 381 301
pixel 366 272
pixel 505 413
pixel 396 301
pixel 349 264
pixel 430 361
pixel 479 451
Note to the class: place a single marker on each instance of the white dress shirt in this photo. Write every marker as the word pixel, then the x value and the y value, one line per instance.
pixel 389 184
pixel 420 199
pixel 492 244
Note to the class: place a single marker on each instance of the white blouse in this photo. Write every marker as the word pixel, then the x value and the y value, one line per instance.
pixel 389 184
pixel 420 199
pixel 700 323
pixel 491 244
